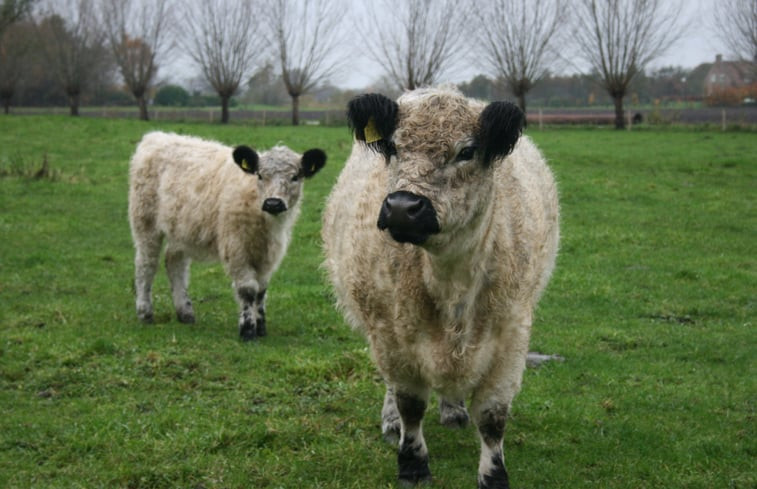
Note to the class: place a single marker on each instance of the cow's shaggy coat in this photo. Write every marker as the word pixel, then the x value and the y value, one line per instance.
pixel 440 235
pixel 209 201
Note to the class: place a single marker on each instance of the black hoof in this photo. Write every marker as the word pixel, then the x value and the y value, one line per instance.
pixel 260 328
pixel 185 318
pixel 247 333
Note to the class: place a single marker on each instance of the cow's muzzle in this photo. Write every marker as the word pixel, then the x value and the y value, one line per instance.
pixel 408 217
pixel 274 206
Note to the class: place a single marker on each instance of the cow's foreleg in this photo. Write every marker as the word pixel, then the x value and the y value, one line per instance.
pixel 491 422
pixel 412 457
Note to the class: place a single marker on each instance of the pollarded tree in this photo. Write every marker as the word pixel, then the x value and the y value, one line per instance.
pixel 521 40
pixel 416 42
pixel 306 35
pixel 137 33
pixel 223 39
pixel 72 43
pixel 619 38
pixel 735 23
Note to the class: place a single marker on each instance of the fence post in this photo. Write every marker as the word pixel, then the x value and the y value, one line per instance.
pixel 264 118
pixel 722 118
pixel 629 119
pixel 541 120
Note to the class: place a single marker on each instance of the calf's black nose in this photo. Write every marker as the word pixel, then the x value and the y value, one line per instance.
pixel 410 218
pixel 274 206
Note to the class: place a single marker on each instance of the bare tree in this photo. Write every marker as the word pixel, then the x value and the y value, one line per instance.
pixel 222 38
pixel 137 36
pixel 12 11
pixel 735 23
pixel 16 43
pixel 521 39
pixel 306 35
pixel 416 42
pixel 620 37
pixel 73 46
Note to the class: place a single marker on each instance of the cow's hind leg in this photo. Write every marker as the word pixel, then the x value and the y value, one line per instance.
pixel 453 414
pixel 390 418
pixel 177 266
pixel 412 457
pixel 146 258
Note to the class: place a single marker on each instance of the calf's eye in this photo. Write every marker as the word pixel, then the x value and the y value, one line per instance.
pixel 295 178
pixel 466 153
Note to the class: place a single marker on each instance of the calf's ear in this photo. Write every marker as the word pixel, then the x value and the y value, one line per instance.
pixel 372 117
pixel 499 127
pixel 246 158
pixel 312 161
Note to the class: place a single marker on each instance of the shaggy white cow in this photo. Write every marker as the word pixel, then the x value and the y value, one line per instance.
pixel 210 201
pixel 440 235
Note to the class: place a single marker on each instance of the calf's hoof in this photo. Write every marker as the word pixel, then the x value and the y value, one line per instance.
pixel 260 329
pixel 185 317
pixel 247 332
pixel 146 317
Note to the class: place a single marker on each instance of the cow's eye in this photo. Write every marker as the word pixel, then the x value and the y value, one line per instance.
pixel 466 153
pixel 295 178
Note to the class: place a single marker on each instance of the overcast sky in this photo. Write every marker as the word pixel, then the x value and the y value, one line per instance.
pixel 698 46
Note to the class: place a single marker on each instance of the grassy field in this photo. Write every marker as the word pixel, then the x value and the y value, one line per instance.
pixel 653 306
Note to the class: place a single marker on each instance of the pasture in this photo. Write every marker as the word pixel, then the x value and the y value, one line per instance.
pixel 653 305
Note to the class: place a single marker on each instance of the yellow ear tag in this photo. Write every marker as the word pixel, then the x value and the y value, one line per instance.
pixel 371 133
pixel 245 165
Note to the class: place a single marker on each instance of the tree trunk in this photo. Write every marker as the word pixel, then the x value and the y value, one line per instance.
pixel 295 110
pixel 143 114
pixel 225 109
pixel 522 104
pixel 73 103
pixel 620 121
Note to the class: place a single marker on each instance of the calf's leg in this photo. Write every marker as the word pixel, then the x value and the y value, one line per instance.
pixel 247 290
pixel 260 327
pixel 390 417
pixel 177 266
pixel 146 258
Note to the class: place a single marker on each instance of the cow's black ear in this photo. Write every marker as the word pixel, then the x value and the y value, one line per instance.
pixel 500 126
pixel 372 118
pixel 312 161
pixel 246 158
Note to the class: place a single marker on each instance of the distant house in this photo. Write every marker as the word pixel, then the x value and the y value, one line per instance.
pixel 724 75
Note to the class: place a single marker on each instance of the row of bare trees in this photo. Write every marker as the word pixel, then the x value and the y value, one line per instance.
pixel 415 42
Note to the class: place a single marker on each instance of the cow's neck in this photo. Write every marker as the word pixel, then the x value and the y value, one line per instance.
pixel 456 276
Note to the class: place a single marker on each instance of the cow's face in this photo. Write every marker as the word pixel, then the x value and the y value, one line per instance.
pixel 280 173
pixel 440 150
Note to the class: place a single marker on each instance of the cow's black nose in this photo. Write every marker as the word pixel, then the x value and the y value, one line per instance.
pixel 274 206
pixel 410 218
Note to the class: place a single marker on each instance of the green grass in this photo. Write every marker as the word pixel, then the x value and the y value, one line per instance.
pixel 652 305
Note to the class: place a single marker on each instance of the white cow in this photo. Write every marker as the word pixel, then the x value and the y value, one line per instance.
pixel 440 235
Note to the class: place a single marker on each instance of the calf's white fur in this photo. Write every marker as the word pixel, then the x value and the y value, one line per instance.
pixel 213 202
